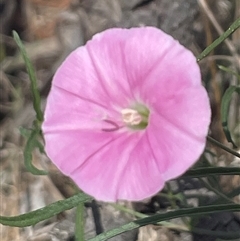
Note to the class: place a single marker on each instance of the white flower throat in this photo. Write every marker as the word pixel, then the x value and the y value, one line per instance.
pixel 131 117
pixel 137 117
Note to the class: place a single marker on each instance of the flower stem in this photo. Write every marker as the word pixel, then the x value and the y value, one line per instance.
pixel 142 215
pixel 225 148
pixel 221 195
pixel 79 225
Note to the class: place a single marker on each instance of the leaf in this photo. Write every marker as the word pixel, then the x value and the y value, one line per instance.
pixel 227 235
pixel 32 135
pixel 230 71
pixel 32 76
pixel 47 212
pixel 185 212
pixel 226 100
pixel 219 40
pixel 209 171
pixel 31 144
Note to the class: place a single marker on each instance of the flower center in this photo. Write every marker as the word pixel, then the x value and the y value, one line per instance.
pixel 136 117
pixel 131 117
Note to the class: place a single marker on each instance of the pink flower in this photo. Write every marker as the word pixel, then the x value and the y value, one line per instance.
pixel 126 113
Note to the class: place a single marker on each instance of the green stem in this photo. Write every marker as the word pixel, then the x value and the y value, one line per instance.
pixel 31 144
pixel 79 225
pixel 219 40
pixel 219 200
pixel 225 148
pixel 164 195
pixel 171 196
pixel 230 195
pixel 142 215
pixel 221 195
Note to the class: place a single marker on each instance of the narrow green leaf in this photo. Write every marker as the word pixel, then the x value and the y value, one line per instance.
pixel 228 70
pixel 32 76
pixel 219 193
pixel 142 215
pixel 47 212
pixel 229 235
pixel 231 195
pixel 223 147
pixel 219 40
pixel 225 111
pixel 234 193
pixel 185 212
pixel 31 144
pixel 208 171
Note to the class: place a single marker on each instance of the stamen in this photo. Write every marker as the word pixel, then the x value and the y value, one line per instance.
pixel 115 128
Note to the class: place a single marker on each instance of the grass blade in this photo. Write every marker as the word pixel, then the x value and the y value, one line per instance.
pixel 228 70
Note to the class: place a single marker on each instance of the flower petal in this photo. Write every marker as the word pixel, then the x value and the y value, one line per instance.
pixel 120 171
pixel 67 111
pixel 160 67
pixel 178 130
pixel 70 149
pixel 142 177
pixel 97 71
